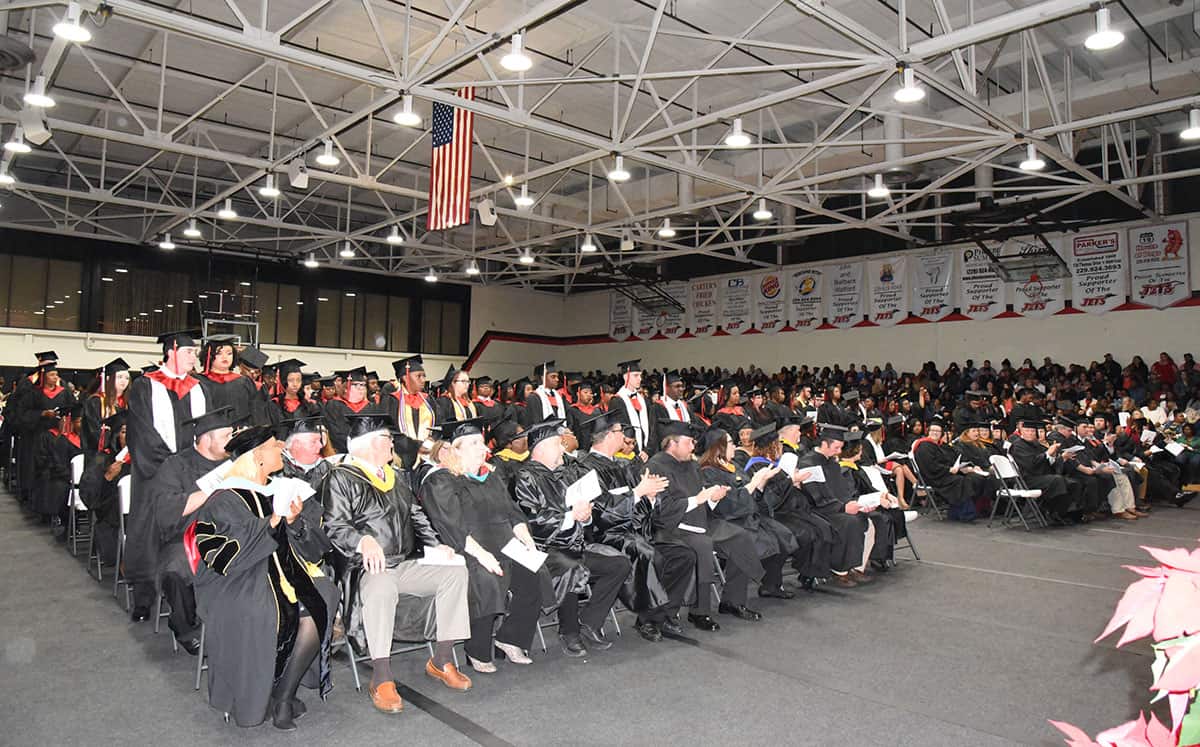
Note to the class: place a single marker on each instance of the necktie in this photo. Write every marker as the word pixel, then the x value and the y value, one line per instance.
pixel 636 402
pixel 678 412
pixel 553 398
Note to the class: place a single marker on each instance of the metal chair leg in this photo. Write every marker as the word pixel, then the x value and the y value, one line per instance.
pixel 612 613
pixel 200 665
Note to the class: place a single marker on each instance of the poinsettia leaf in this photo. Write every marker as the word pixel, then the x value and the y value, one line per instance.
pixel 1076 737
pixel 1158 735
pixel 1182 672
pixel 1156 670
pixel 1128 733
pixel 1189 732
pixel 1177 606
pixel 1139 600
pixel 1175 558
pixel 1142 570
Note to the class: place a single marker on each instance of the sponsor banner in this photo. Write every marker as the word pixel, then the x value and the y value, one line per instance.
pixel 1039 297
pixel 770 300
pixel 645 323
pixel 1099 269
pixel 807 298
pixel 673 322
pixel 889 290
pixel 845 294
pixel 704 305
pixel 620 317
pixel 737 304
pixel 1160 264
pixel 932 294
pixel 980 289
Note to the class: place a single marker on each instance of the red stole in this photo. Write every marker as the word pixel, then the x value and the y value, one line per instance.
pixel 179 386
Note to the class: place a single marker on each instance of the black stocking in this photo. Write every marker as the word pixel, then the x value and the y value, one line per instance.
pixel 304 651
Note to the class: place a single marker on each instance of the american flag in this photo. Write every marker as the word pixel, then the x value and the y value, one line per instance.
pixel 450 166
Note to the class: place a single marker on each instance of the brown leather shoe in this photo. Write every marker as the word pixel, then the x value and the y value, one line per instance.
pixel 860 577
pixel 1127 516
pixel 450 676
pixel 1137 513
pixel 844 580
pixel 385 698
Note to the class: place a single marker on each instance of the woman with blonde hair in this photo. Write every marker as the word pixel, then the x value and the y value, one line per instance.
pixel 267 607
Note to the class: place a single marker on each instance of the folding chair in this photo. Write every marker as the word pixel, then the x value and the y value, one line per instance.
pixel 201 663
pixel 1014 491
pixel 922 484
pixel 75 506
pixel 119 580
pixel 160 613
pixel 875 475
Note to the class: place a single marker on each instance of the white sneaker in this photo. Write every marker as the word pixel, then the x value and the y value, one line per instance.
pixel 483 667
pixel 910 516
pixel 513 653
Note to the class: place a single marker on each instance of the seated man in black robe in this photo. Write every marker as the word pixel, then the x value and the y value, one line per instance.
pixel 1039 466
pixel 560 530
pixel 305 440
pixel 1094 482
pixel 662 571
pixel 684 513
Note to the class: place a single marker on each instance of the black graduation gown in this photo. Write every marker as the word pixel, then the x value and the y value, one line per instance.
pixel 979 456
pixel 314 475
pixel 1041 474
pixel 167 493
pixel 784 503
pixel 583 434
pixel 337 421
pixel 54 455
pixel 459 507
pixel 242 593
pixel 406 447
pixel 301 408
pixel 34 426
pixel 447 412
pixel 505 470
pixel 741 507
pixel 935 461
pixel 490 409
pixel 828 499
pixel 540 494
pixel 889 522
pixel 149 451
pixel 240 393
pixel 835 414
pixel 93 420
pixel 104 501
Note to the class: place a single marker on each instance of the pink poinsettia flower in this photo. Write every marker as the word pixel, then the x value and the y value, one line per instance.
pixel 1162 603
pixel 1137 733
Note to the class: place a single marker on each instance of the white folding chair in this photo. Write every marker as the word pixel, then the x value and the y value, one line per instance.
pixel 1018 498
pixel 875 476
pixel 75 506
pixel 124 487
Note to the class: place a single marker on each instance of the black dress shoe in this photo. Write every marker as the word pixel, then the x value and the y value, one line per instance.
pixel 778 592
pixel 740 611
pixel 671 626
pixel 650 631
pixel 594 638
pixel 704 622
pixel 809 584
pixel 572 646
pixel 282 716
pixel 140 614
pixel 298 708
pixel 191 644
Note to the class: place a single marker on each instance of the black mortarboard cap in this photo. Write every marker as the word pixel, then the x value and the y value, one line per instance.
pixel 248 439
pixel 625 367
pixel 364 423
pixel 672 376
pixel 113 366
pixel 711 437
pixel 408 365
pixel 800 420
pixel 449 377
pixel 1033 423
pixel 539 432
pixel 286 367
pixel 504 433
pixel 148 368
pixel 309 378
pixel 46 355
pixel 765 435
pixel 222 417
pixel 756 392
pixel 674 428
pixel 542 369
pixel 253 357
pixel 172 340
pixel 873 425
pixel 976 394
pixel 895 420
pixel 372 375
pixel 311 424
pixel 603 421
pixel 47 367
pixel 832 432
pixel 484 381
pixel 851 395
pixel 457 429
pixel 355 374
pixel 852 436
pixel 326 380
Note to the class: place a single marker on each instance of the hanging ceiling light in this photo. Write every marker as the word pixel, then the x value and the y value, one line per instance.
pixel 192 231
pixel 431 276
pixel 472 268
pixel 526 257
pixel 1192 132
pixel 166 242
pixel 1032 162
pixel 1104 37
pixel 227 212
pixel 71 28
pixel 394 237
pixel 6 179
pixel 516 60
pixel 406 117
pixel 588 246
pixel 736 138
pixel 327 157
pixel 508 180
pixel 879 190
pixel 763 213
pixel 908 92
pixel 524 199
pixel 36 96
pixel 619 174
pixel 666 232
pixel 347 251
pixel 311 262
pixel 17 144
pixel 269 190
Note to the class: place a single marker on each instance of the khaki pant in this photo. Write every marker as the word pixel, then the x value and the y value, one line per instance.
pixel 380 592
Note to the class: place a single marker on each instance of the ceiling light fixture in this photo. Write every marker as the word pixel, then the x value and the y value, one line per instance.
pixel 71 28
pixel 431 276
pixel 122 270
pixel 311 262
pixel 347 251
pixel 36 96
pixel 227 212
pixel 1104 37
pixel 908 92
pixel 1191 132
pixel 526 257
pixel 524 199
pixel 516 60
pixel 508 180
pixel 472 268
pixel 394 237
pixel 166 242
pixel 17 144
pixel 406 117
pixel 879 190
pixel 666 232
pixel 588 246
pixel 327 157
pixel 737 138
pixel 619 174
pixel 763 213
pixel 269 190
pixel 1032 162
pixel 192 231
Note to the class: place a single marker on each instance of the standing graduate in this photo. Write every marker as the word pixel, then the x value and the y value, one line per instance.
pixel 267 606
pixel 339 410
pixel 629 399
pixel 546 402
pixel 250 363
pixel 582 409
pixel 290 398
pixel 161 402
pixel 45 409
pixel 175 496
pixel 411 409
pixel 56 448
pixel 223 382
pixel 112 382
pixel 26 422
pixel 486 404
pixel 456 404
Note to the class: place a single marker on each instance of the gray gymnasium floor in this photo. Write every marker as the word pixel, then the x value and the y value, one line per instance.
pixel 978 644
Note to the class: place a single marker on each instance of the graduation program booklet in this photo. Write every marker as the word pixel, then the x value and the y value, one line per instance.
pixel 207 483
pixel 869 500
pixel 1175 448
pixel 584 489
pixel 895 456
pixel 787 463
pixel 285 489
pixel 1073 449
pixel 1148 436
pixel 521 553
pixel 815 474
pixel 455 559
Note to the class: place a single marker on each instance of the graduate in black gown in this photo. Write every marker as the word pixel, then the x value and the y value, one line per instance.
pixel 304 443
pixel 267 606
pixel 887 517
pixel 224 382
pixel 953 480
pixel 98 487
pixel 411 409
pixel 684 512
pixel 582 409
pixel 250 363
pixel 175 495
pixel 339 410
pixel 290 400
pixel 1040 466
pixel 112 382
pixel 160 402
pixel 473 513
pixel 26 417
pixel 663 571
pixel 486 405
pixel 56 448
pixel 575 563
pixel 510 449
pixel 456 403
